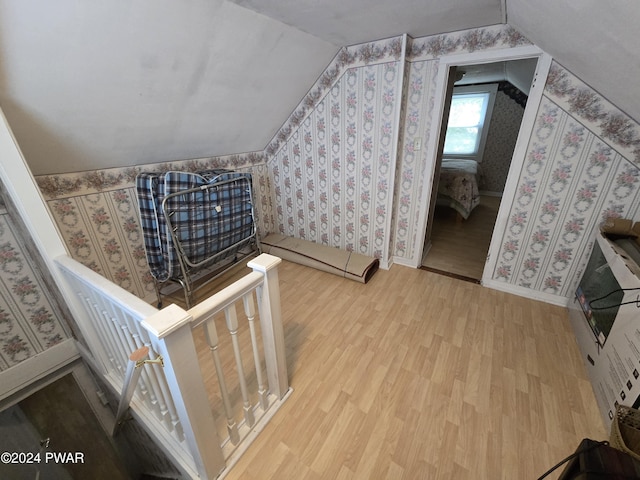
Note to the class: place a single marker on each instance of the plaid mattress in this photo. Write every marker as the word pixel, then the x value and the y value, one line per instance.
pixel 190 220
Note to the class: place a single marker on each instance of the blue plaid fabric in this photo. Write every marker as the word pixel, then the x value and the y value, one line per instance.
pixel 191 220
pixel 149 200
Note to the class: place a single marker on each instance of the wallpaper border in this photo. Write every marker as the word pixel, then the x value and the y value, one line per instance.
pixel 466 41
pixel 372 53
pixel 600 116
pixel 96 181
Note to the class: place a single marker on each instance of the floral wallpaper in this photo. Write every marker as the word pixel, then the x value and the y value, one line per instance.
pixel 102 231
pixel 83 183
pixel 29 320
pixel 501 141
pixel 342 171
pixel 414 169
pixel 338 176
pixel 97 215
pixel 331 167
pixel 93 209
pixel 333 178
pixel 581 170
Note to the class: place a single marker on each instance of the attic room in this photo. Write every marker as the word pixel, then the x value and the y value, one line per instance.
pixel 336 110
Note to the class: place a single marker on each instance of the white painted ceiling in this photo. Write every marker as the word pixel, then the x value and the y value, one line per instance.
pixel 89 85
pixel 349 22
pixel 596 40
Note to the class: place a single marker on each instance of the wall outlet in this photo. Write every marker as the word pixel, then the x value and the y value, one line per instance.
pixel 417 144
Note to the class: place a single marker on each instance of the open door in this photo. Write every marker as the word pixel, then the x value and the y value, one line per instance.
pixel 433 257
pixel 436 177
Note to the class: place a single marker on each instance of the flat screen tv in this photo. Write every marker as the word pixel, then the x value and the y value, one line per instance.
pixel 599 295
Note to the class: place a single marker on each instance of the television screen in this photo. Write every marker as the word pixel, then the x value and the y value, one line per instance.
pixel 599 295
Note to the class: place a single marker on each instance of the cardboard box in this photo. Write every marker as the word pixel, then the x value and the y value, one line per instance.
pixel 624 237
pixel 621 228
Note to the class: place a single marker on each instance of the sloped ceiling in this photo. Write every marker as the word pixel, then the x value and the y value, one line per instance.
pixel 596 40
pixel 349 22
pixel 88 85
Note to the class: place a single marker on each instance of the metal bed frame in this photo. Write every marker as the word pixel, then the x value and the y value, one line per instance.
pixel 208 228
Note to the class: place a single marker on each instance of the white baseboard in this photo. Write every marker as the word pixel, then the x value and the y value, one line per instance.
pixel 527 293
pixel 403 262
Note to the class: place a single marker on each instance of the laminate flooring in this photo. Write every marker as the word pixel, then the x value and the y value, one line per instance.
pixel 459 247
pixel 421 376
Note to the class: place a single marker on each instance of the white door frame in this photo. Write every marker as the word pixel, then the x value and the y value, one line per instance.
pixel 519 154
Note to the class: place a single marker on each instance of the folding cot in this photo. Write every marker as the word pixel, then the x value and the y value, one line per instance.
pixel 194 224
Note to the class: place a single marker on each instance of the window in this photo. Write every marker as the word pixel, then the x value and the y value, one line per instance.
pixel 468 124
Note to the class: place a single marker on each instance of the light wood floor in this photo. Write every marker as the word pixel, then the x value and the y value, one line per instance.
pixel 421 376
pixel 459 246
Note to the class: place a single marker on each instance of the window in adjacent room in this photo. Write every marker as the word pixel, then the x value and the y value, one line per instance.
pixel 469 119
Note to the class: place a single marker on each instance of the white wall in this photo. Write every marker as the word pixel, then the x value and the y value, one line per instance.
pixel 88 85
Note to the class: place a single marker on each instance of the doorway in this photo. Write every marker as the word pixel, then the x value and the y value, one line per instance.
pixel 457 245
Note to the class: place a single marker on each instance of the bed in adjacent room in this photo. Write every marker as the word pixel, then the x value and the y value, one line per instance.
pixel 458 185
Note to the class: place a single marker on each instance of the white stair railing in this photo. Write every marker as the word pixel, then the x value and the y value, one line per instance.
pixel 172 401
pixel 247 363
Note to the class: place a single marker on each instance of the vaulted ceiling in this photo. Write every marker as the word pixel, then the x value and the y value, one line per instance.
pixel 89 85
pixel 357 21
pixel 596 40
